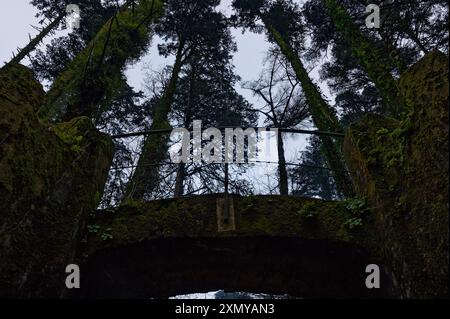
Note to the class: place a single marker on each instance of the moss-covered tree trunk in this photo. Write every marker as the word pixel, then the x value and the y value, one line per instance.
pixel 393 53
pixel 369 56
pixel 30 47
pixel 155 149
pixel 88 78
pixel 321 112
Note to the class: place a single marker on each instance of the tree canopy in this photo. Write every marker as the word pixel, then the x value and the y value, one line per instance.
pixel 84 71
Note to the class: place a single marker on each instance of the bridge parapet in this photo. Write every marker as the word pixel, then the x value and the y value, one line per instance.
pixel 202 216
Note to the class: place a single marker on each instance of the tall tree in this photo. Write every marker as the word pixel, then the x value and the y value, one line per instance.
pixel 369 56
pixel 87 79
pixel 50 62
pixel 284 105
pixel 424 24
pixel 32 45
pixel 354 90
pixel 396 51
pixel 206 93
pixel 283 23
pixel 52 14
pixel 189 28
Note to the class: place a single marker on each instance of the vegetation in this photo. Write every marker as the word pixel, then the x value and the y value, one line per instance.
pixel 85 70
pixel 372 175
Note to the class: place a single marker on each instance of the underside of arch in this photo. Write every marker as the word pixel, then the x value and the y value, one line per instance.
pixel 162 268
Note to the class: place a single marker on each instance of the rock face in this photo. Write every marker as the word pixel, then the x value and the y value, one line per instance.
pixel 51 178
pixel 401 166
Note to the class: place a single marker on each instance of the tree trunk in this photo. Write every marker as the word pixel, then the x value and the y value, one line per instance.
pixel 410 33
pixel 36 40
pixel 282 172
pixel 145 178
pixel 338 168
pixel 88 78
pixel 179 182
pixel 322 114
pixel 393 52
pixel 181 172
pixel 370 58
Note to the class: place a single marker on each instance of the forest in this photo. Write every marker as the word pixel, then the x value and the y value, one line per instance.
pixel 350 122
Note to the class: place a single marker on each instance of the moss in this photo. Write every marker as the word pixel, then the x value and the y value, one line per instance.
pixel 370 57
pixel 323 115
pixel 18 86
pixel 46 188
pixel 254 216
pixel 91 76
pixel 401 166
pixel 69 132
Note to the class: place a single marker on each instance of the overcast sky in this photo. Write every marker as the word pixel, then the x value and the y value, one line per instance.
pixel 18 16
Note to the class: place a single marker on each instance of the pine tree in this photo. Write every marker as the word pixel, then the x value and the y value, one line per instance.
pixel 32 45
pixel 283 23
pixel 189 29
pixel 47 64
pixel 90 76
pixel 206 93
pixel 370 57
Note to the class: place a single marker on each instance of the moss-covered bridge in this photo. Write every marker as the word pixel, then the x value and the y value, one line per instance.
pixel 52 177
pixel 272 244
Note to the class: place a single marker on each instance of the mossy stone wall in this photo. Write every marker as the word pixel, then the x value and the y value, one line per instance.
pixel 401 166
pixel 51 177
pixel 196 217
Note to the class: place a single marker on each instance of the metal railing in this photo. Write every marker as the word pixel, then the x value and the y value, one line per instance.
pixel 226 178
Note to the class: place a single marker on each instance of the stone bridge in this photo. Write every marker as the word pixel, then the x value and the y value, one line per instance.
pixel 268 244
pixel 52 178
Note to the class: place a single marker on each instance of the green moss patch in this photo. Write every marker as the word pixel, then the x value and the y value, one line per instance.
pixel 49 178
pixel 401 166
pixel 276 216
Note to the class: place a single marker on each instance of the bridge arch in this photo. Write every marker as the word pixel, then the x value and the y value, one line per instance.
pixel 263 244
pixel 162 268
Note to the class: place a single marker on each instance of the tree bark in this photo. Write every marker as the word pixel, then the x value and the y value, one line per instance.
pixel 179 181
pixel 322 115
pixel 370 58
pixel 282 172
pixel 79 89
pixel 145 178
pixel 30 47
